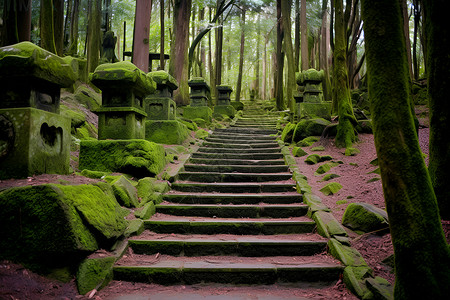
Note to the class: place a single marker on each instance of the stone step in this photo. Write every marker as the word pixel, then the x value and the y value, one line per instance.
pixel 243 151
pixel 235 245
pixel 234 138
pixel 253 131
pixel 233 198
pixel 245 156
pixel 257 120
pixel 230 226
pixel 235 168
pixel 227 272
pixel 233 211
pixel 242 144
pixel 232 177
pixel 268 127
pixel 207 161
pixel 248 187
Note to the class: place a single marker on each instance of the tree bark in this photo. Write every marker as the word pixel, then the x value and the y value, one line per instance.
pixel 345 136
pixel 58 19
pixel 258 57
pixel 406 34
pixel 278 78
pixel 422 256
pixel 241 58
pixel 161 51
pixel 179 62
pixel 16 22
pixel 438 62
pixel 297 36
pixel 141 34
pixel 47 26
pixel 323 62
pixel 286 6
pixel 219 48
pixel 94 35
pixel 304 36
pixel 73 35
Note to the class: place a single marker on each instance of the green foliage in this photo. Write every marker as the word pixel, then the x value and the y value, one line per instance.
pixel 94 273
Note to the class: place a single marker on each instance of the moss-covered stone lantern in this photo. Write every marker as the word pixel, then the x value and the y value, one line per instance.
pixel 224 106
pixel 200 97
pixel 124 87
pixel 312 104
pixel 34 138
pixel 161 125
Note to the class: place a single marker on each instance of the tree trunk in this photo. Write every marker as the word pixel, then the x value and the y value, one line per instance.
pixel 422 256
pixel 404 7
pixel 212 72
pixel 286 7
pixel 179 62
pixel 304 36
pixel 142 34
pixel 202 47
pixel 416 29
pixel 241 58
pixel 94 35
pixel 16 22
pixel 58 18
pixel 67 25
pixel 46 26
pixel 161 51
pixel 345 136
pixel 278 88
pixel 258 57
pixel 297 36
pixel 73 35
pixel 219 48
pixel 264 72
pixel 438 62
pixel 323 62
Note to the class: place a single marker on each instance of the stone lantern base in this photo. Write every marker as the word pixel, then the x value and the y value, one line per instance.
pixel 314 110
pixel 195 112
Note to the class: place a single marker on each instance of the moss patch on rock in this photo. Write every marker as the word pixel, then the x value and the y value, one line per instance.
pixel 309 127
pixel 331 188
pixel 94 273
pixel 307 142
pixel 125 192
pixel 288 132
pixel 168 132
pixel 364 217
pixel 139 158
pixel 298 152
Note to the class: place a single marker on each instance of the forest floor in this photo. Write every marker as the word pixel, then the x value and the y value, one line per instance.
pixel 358 184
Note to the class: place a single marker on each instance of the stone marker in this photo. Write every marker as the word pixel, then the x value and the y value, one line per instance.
pixel 312 104
pixel 200 97
pixel 224 106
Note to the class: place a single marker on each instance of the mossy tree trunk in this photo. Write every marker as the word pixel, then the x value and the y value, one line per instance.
pixel 422 256
pixel 72 48
pixel 438 61
pixel 94 35
pixel 47 26
pixel 241 58
pixel 286 7
pixel 304 36
pixel 179 62
pixel 58 19
pixel 345 136
pixel 16 22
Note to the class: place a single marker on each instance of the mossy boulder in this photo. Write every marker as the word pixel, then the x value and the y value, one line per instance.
pixel 354 279
pixel 237 105
pixel 88 97
pixel 364 217
pixel 201 134
pixel 311 75
pixel 122 75
pixel 55 223
pixel 325 167
pixel 25 59
pixel 312 159
pixel 288 132
pixel 135 227
pixel 125 192
pixel 168 132
pixel 93 174
pixel 347 255
pixel 77 118
pixel 331 188
pixel 94 273
pixel 328 177
pixel 139 158
pixel 146 211
pixel 298 152
pixel 309 127
pixel 307 142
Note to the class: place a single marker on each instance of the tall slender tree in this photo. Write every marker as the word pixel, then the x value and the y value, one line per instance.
pixel 279 61
pixel 241 56
pixel 438 74
pixel 94 34
pixel 16 22
pixel 179 62
pixel 141 34
pixel 422 256
pixel 286 7
pixel 47 26
pixel 304 36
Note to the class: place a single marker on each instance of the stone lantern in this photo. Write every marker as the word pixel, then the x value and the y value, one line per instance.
pixel 312 104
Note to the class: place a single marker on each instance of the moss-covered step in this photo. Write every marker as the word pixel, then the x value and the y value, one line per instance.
pixel 243 151
pixel 241 145
pixel 216 138
pixel 252 131
pixel 167 272
pixel 234 198
pixel 207 161
pixel 232 177
pixel 268 127
pixel 238 136
pixel 234 211
pixel 240 156
pixel 231 227
pixel 242 246
pixel 248 187
pixel 235 168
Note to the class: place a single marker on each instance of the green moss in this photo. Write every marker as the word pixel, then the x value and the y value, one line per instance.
pixel 201 134
pixel 312 159
pixel 191 125
pixel 125 192
pixel 347 255
pixel 146 211
pixel 331 188
pixel 163 78
pixel 307 142
pixel 288 132
pixel 26 58
pixel 309 127
pixel 329 177
pixel 237 105
pixel 354 278
pixel 77 117
pixel 94 273
pixel 318 148
pixel 135 227
pixel 168 132
pixel 311 75
pixel 298 152
pixel 364 217
pixel 339 202
pixel 351 151
pixel 198 112
pixel 139 158
pixel 93 174
pixel 88 97
pixel 373 179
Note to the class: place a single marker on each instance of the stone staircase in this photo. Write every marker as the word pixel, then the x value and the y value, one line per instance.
pixel 233 216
